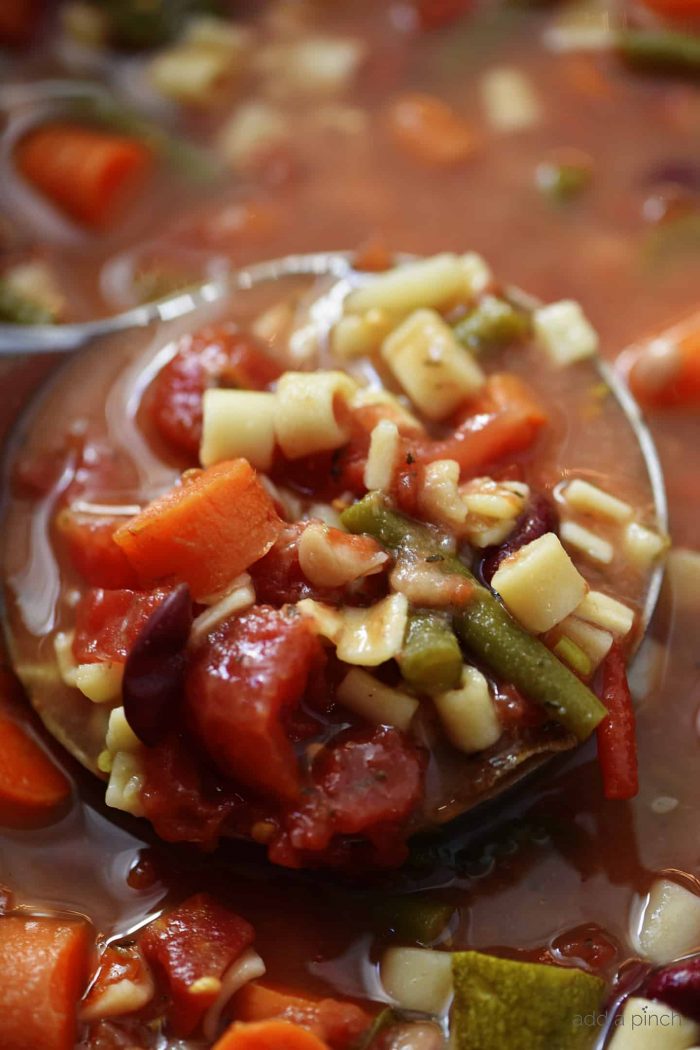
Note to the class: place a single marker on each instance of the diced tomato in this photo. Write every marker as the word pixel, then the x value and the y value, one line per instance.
pixel 434 14
pixel 278 577
pixel 198 939
pixel 676 10
pixel 587 944
pixel 89 539
pixel 18 20
pixel 214 356
pixel 337 1023
pixel 616 734
pixel 107 622
pixel 241 686
pixel 117 964
pixel 367 782
pixel 182 803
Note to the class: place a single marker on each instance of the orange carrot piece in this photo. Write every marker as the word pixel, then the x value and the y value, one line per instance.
pixel 428 130
pixel 682 10
pixel 666 371
pixel 268 1035
pixel 84 172
pixel 340 1024
pixel 32 788
pixel 257 1001
pixel 43 969
pixel 205 531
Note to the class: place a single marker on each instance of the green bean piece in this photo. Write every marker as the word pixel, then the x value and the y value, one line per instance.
pixel 16 309
pixel 492 324
pixel 135 24
pixel 485 627
pixel 574 656
pixel 431 660
pixel 660 51
pixel 562 182
pixel 412 919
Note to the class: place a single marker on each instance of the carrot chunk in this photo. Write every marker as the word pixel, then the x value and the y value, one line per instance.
pixel 43 968
pixel 426 129
pixel 337 1023
pixel 32 788
pixel 269 1035
pixel 83 171
pixel 205 531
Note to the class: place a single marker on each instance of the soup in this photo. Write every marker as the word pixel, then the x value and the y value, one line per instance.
pixel 382 128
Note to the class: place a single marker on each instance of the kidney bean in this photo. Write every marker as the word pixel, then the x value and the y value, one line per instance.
pixel 678 986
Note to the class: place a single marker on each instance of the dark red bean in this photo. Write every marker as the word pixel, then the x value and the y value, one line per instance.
pixel 155 666
pixel 539 517
pixel 681 172
pixel 678 986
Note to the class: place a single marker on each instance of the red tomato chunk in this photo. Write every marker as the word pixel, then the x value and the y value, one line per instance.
pixel 107 622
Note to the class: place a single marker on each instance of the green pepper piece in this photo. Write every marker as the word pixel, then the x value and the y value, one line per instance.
pixel 562 182
pixel 523 1005
pixel 491 324
pixel 413 919
pixel 660 51
pixel 16 309
pixel 431 660
pixel 485 627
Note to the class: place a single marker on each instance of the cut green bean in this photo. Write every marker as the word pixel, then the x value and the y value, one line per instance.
pixel 485 627
pixel 492 324
pixel 413 919
pixel 431 660
pixel 562 182
pixel 660 51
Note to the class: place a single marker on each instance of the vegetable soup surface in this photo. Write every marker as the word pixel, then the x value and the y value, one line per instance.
pixel 330 599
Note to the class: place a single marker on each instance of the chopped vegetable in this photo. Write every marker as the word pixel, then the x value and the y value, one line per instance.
pixel 108 622
pixel 670 926
pixel 493 323
pixel 412 918
pixel 524 1006
pixel 89 539
pixel 617 744
pixel 84 172
pixel 338 1023
pixel 540 584
pixel 426 129
pixel 430 659
pixel 32 788
pixel 645 1025
pixel 191 948
pixel 418 978
pixel 205 531
pixel 269 1035
pixel 18 309
pixel 660 51
pixel 486 629
pixel 43 969
pixel 134 24
pixel 666 371
pixel 564 177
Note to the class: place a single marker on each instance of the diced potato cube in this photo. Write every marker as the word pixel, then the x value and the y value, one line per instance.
pixel 418 978
pixel 589 499
pixel 125 784
pixel 540 584
pixel 433 282
pixel 383 456
pixel 643 546
pixel 376 702
pixel 606 612
pixel 306 419
pixel 439 498
pixel 238 423
pixel 314 65
pixel 254 128
pixel 100 682
pixel 595 642
pixel 468 713
pixel 372 636
pixel 564 332
pixel 509 99
pixel 647 1025
pixel 435 371
pixel 120 736
pixel 670 926
pixel 587 542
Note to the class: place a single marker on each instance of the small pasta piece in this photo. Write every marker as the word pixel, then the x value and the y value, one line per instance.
pixel 306 420
pixel 587 542
pixel 540 584
pixel 468 713
pixel 100 682
pixel 241 595
pixel 247 967
pixel 315 65
pixel 254 129
pixel 564 332
pixel 509 100
pixel 331 558
pixel 648 1025
pixel 67 665
pixel 125 784
pixel 670 923
pixel 589 499
pixel 375 702
pixel 606 612
pixel 477 274
pixel 497 500
pixel 433 282
pixel 436 372
pixel 391 408
pixel 418 978
pixel 212 54
pixel 594 642
pixel 643 546
pixel 383 456
pixel 356 335
pixel 439 498
pixel 120 736
pixel 363 636
pixel 328 621
pixel 238 423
